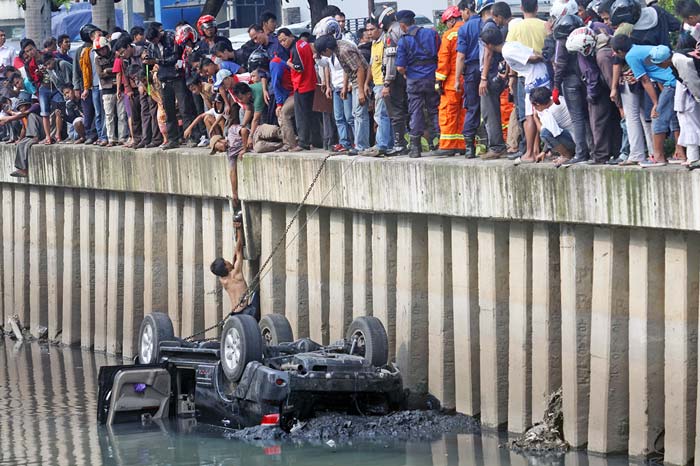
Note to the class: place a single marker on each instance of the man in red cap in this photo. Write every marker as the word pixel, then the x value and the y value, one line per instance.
pixel 452 112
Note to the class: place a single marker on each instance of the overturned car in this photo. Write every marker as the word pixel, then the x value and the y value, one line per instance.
pixel 255 373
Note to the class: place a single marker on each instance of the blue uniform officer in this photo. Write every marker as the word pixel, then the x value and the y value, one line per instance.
pixel 416 58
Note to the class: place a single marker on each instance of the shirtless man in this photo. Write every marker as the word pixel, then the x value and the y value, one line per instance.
pixel 232 279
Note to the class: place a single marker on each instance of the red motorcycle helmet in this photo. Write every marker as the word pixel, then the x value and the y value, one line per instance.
pixel 205 20
pixel 185 33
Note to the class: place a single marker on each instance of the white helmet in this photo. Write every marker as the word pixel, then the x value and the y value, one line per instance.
pixel 326 26
pixel 581 40
pixel 563 7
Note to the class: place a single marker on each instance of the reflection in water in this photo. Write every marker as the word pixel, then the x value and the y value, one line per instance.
pixel 47 416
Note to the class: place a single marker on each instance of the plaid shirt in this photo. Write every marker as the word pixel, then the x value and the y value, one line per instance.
pixel 350 59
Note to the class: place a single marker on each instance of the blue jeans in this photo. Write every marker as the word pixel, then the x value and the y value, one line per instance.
pixel 342 112
pixel 47 97
pixel 384 136
pixel 99 114
pixel 625 145
pixel 575 97
pixel 551 141
pixel 361 115
pixel 667 120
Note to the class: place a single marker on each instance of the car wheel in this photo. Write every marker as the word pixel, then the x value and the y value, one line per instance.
pixel 155 327
pixel 371 342
pixel 241 343
pixel 275 329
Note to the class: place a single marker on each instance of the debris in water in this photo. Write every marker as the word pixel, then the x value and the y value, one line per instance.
pixel 545 436
pixel 297 427
pixel 42 333
pixel 342 429
pixel 16 327
pixel 331 443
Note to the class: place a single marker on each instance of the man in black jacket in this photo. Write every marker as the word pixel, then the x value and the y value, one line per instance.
pixel 161 53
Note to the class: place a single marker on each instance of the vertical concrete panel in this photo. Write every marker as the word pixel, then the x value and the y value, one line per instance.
pixel 412 301
pixel 54 245
pixel 680 346
pixel 608 425
pixel 296 287
pixel 174 262
pixel 465 302
pixel 70 280
pixel 340 276
pixel 646 340
pixel 21 254
pixel 155 255
pixel 361 265
pixel 133 272
pixel 546 316
pixel 87 271
pixel 190 314
pixel 493 322
pixel 114 283
pixel 520 328
pixel 272 279
pixel 576 255
pixel 100 277
pixel 211 282
pixel 317 255
pixel 441 353
pixel 8 252
pixel 383 278
pixel 37 262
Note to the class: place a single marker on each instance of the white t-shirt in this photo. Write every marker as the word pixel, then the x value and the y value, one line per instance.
pixel 556 118
pixel 517 56
pixel 337 73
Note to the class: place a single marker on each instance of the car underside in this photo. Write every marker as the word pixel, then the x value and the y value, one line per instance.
pixel 255 373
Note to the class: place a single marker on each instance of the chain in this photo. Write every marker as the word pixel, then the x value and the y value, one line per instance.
pixel 255 282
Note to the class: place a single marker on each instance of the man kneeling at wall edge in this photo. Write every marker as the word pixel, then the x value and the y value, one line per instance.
pixel 232 279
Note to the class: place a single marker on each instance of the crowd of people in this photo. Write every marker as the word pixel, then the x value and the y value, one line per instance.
pixel 599 81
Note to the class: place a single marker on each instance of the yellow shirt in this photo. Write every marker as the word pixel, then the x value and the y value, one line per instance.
pixel 529 32
pixel 376 62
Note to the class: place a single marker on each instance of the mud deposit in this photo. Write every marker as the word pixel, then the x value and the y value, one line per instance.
pixel 403 425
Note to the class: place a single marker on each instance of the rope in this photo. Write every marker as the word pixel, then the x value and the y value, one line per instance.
pixel 259 276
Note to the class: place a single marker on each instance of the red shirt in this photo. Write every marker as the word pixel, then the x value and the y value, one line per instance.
pixel 305 80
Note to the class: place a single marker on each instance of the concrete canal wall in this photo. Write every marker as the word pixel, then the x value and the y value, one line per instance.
pixel 497 284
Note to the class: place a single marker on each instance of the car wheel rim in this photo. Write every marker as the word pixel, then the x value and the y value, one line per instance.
pixel 359 338
pixel 267 336
pixel 232 349
pixel 147 344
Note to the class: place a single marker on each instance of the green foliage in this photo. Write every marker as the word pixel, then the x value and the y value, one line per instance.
pixel 668 5
pixel 441 28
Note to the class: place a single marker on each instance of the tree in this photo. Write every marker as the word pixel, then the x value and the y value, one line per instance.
pixel 212 7
pixel 103 15
pixel 317 7
pixel 37 21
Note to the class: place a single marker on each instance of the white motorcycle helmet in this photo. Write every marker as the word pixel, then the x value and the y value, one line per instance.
pixel 561 8
pixel 581 40
pixel 328 26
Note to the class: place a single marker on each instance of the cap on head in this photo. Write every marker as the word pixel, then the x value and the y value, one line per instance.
pixel 659 54
pixel 220 76
pixel 405 16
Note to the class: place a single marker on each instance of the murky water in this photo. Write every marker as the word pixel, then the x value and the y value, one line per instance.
pixel 47 417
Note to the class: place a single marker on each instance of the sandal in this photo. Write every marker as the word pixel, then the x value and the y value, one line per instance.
pixel 628 163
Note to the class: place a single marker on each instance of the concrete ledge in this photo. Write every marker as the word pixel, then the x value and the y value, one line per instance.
pixel 188 172
pixel 656 198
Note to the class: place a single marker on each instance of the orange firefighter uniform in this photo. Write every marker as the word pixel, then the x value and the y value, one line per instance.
pixel 452 112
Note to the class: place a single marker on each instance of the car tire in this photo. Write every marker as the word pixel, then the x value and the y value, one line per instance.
pixel 155 328
pixel 241 343
pixel 275 329
pixel 373 343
